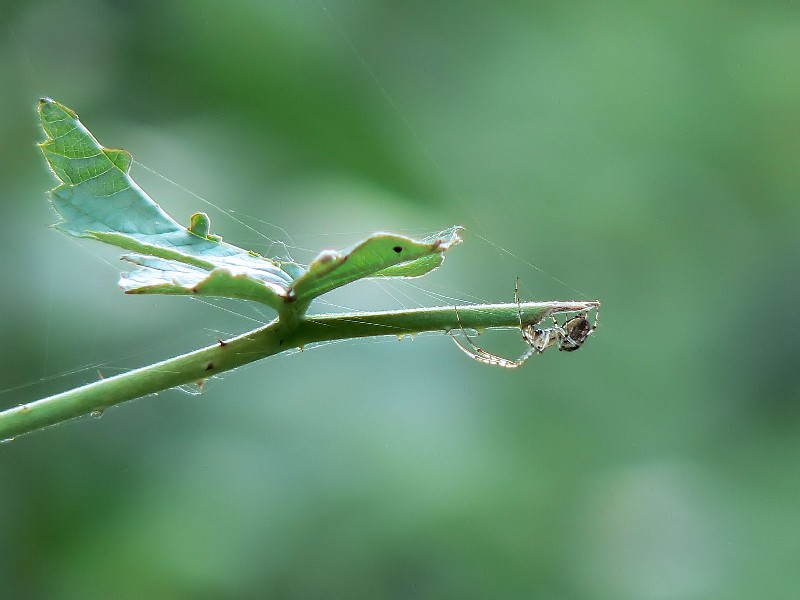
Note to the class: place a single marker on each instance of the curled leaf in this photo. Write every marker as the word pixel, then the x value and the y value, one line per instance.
pixel 380 255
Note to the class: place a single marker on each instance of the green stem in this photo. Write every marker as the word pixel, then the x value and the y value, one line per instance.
pixel 272 339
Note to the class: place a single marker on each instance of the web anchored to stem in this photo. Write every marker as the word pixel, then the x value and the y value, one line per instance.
pixel 97 199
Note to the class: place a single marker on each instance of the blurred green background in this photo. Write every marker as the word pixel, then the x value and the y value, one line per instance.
pixel 645 154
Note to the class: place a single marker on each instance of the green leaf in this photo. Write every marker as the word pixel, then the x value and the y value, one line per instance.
pixel 380 255
pixel 98 199
pixel 158 276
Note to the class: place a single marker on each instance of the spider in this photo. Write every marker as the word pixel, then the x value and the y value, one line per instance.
pixel 568 337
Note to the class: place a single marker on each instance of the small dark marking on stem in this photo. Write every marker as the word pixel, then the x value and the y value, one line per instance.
pixel 221 343
pixel 209 366
pixel 398 249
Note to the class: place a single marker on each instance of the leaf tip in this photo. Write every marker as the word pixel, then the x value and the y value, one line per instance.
pixel 51 110
pixel 449 237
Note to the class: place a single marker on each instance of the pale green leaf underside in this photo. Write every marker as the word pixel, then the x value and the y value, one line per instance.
pixel 98 199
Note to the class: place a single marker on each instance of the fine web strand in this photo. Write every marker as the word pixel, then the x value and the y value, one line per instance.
pixel 101 368
pixel 31 76
pixel 269 248
pixel 385 285
pixel 505 252
pixel 48 328
pixel 335 305
pixel 263 321
pixel 406 123
pixel 266 224
pixel 409 231
pixel 228 213
pixel 447 299
pixel 463 206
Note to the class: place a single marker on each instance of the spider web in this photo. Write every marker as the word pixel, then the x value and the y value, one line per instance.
pixel 497 274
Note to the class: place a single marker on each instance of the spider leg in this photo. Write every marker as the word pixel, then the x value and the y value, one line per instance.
pixel 567 338
pixel 476 352
pixel 596 319
pixel 529 332
pixel 487 358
